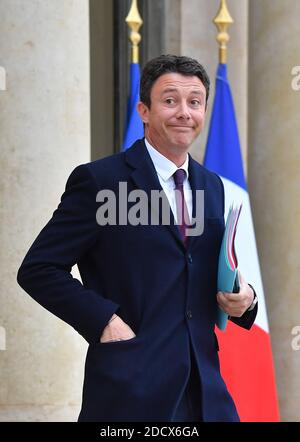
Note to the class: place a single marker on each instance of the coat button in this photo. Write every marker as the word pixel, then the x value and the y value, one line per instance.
pixel 189 314
pixel 190 259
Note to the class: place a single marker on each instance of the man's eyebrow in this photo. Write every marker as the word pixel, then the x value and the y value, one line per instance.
pixel 173 89
pixel 169 90
pixel 198 92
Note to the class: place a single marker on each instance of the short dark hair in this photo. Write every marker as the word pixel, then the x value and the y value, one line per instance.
pixel 165 64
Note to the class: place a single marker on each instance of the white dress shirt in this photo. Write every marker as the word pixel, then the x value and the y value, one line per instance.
pixel 165 170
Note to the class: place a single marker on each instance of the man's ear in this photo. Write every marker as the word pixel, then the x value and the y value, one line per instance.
pixel 143 111
pixel 206 108
pixel 205 113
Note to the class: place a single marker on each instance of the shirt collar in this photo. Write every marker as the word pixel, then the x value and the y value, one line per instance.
pixel 163 166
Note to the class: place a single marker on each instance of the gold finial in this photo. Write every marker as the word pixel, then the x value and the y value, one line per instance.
pixel 134 21
pixel 223 20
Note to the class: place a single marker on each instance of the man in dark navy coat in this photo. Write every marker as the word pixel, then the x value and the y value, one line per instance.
pixel 148 299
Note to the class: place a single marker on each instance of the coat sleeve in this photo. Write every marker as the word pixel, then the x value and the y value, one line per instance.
pixel 248 318
pixel 45 273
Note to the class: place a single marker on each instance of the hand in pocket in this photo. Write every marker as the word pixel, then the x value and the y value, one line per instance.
pixel 116 330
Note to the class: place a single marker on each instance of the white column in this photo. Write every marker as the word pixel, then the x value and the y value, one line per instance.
pixel 274 159
pixel 45 133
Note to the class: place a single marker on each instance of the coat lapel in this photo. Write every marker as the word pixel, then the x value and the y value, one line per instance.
pixel 197 182
pixel 144 177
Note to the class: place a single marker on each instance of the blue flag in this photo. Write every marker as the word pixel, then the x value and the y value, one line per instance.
pixel 223 153
pixel 134 125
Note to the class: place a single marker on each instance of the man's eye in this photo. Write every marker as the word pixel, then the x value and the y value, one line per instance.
pixel 170 100
pixel 196 102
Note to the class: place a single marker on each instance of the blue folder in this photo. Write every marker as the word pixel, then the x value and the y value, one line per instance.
pixel 228 278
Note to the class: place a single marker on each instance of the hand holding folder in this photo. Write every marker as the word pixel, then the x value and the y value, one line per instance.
pixel 228 279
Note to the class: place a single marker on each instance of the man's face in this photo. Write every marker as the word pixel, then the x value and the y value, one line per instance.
pixel 177 112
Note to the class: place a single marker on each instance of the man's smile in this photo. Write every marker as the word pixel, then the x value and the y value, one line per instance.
pixel 177 126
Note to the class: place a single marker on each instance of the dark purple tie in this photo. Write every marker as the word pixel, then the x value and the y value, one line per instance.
pixel 182 212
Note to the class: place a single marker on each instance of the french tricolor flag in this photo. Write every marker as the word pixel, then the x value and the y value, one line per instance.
pixel 245 356
pixel 134 128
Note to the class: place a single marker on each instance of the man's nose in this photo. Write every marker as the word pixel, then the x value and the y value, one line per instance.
pixel 183 111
